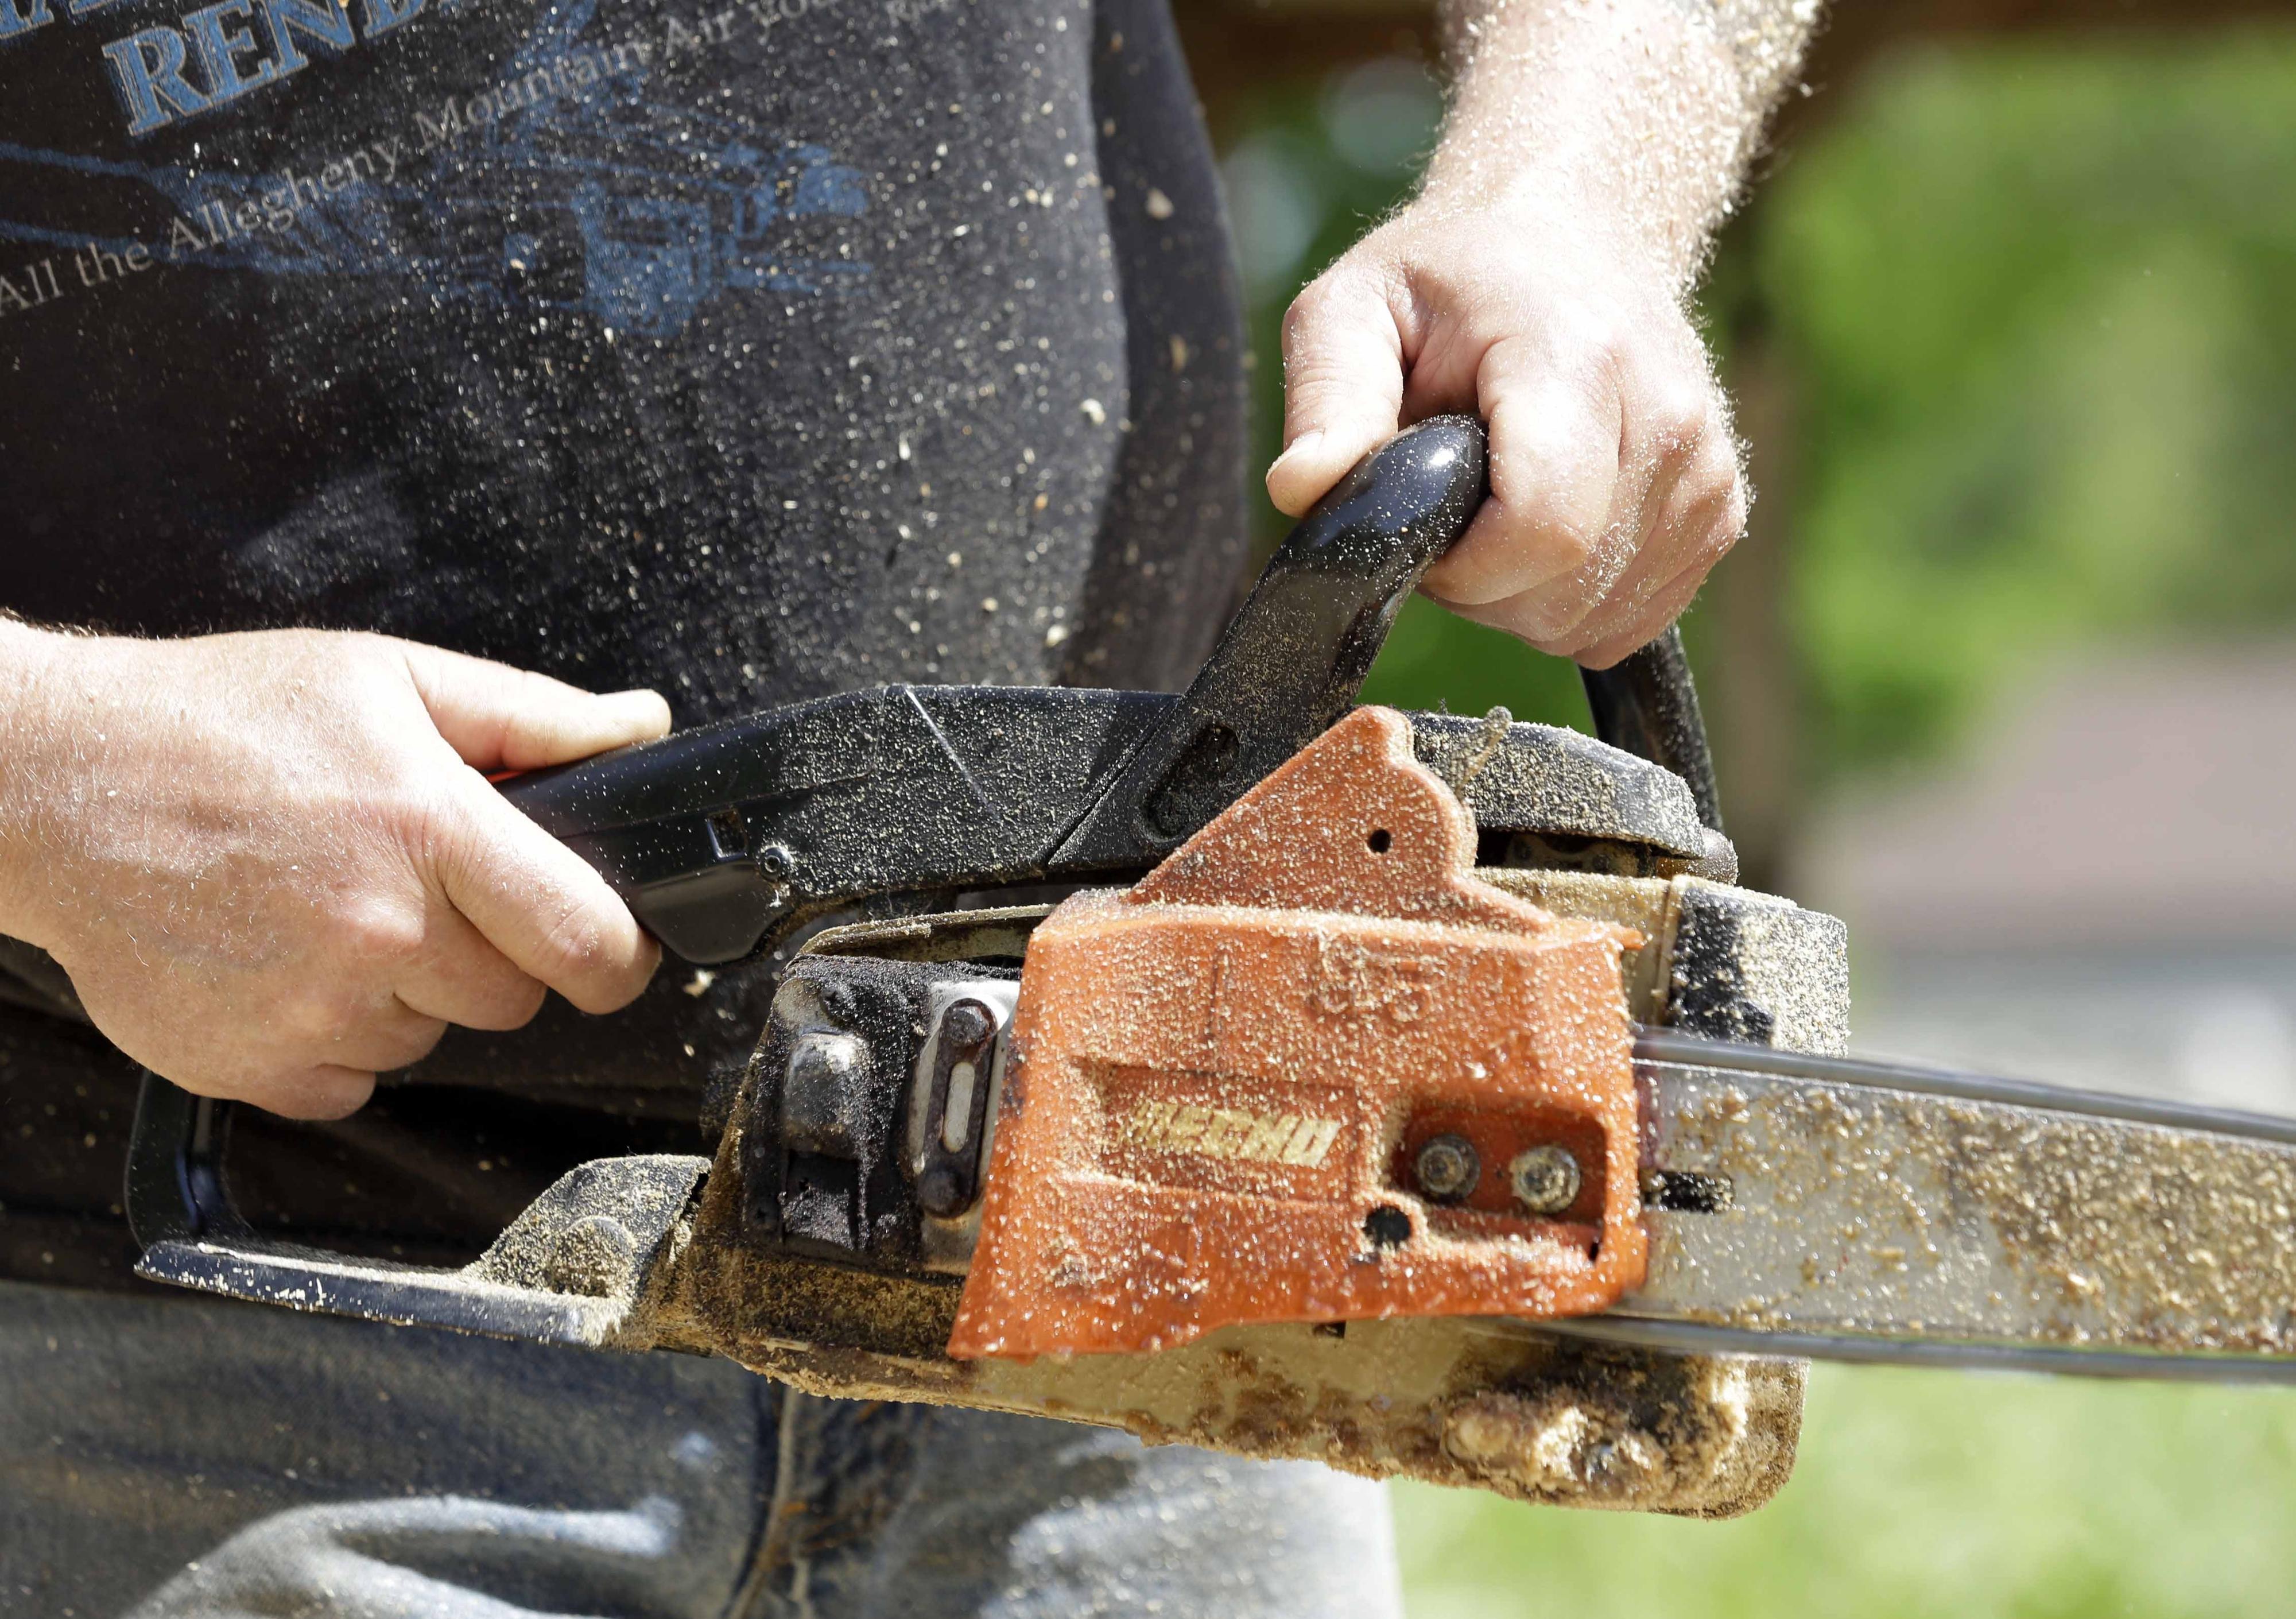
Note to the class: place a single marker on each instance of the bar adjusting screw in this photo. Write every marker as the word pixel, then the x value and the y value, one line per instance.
pixel 1546 1179
pixel 1447 1167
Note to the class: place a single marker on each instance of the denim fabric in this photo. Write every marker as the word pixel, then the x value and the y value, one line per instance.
pixel 170 1457
pixel 311 1466
pixel 929 1512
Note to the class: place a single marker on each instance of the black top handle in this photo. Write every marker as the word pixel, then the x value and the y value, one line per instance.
pixel 1290 662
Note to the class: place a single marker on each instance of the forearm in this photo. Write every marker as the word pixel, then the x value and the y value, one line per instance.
pixel 1634 118
pixel 28 730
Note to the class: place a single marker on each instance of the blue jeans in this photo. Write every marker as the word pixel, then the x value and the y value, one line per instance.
pixel 162 1458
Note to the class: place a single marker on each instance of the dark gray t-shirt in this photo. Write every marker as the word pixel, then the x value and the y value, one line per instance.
pixel 749 351
pixel 637 340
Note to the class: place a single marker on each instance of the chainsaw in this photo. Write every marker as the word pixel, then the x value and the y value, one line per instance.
pixel 1414 1092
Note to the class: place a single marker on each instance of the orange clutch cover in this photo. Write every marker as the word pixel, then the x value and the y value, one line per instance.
pixel 1223 1076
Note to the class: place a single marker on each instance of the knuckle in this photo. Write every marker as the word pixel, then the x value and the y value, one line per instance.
pixel 319 1092
pixel 578 953
pixel 1551 623
pixel 1713 516
pixel 1596 637
pixel 1320 302
pixel 1574 542
pixel 316 1012
pixel 1718 450
pixel 1709 495
pixel 519 1002
pixel 418 1041
pixel 1605 341
pixel 1680 425
pixel 381 932
pixel 1730 527
pixel 1306 311
pixel 1552 645
pixel 507 999
pixel 261 1084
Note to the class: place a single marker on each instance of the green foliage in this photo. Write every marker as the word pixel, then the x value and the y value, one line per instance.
pixel 2039 300
pixel 1434 661
pixel 1918 1495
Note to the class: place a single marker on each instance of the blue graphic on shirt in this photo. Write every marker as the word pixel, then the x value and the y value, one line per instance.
pixel 575 191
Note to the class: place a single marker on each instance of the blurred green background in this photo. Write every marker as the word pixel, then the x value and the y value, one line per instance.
pixel 2012 331
pixel 1925 1495
pixel 2011 322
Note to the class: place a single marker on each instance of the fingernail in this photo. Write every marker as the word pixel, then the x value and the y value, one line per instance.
pixel 637 707
pixel 1304 444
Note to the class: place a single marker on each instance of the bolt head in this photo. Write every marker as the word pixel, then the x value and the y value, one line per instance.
pixel 823 1092
pixel 941 1194
pixel 1446 1168
pixel 1545 1180
pixel 967 1023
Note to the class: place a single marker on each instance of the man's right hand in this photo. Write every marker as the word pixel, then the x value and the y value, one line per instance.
pixel 273 864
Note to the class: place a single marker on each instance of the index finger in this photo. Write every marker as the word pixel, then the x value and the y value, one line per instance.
pixel 540 904
pixel 499 717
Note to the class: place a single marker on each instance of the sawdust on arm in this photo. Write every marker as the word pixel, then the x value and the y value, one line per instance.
pixel 1636 117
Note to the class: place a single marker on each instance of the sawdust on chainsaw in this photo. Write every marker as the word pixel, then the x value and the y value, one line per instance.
pixel 1963 1220
pixel 1455 1401
pixel 1459 1402
pixel 1308 977
pixel 1620 1431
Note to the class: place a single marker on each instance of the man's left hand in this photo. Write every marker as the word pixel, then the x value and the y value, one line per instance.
pixel 1614 474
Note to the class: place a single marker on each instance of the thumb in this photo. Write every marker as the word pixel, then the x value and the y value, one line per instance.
pixel 498 718
pixel 1342 387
